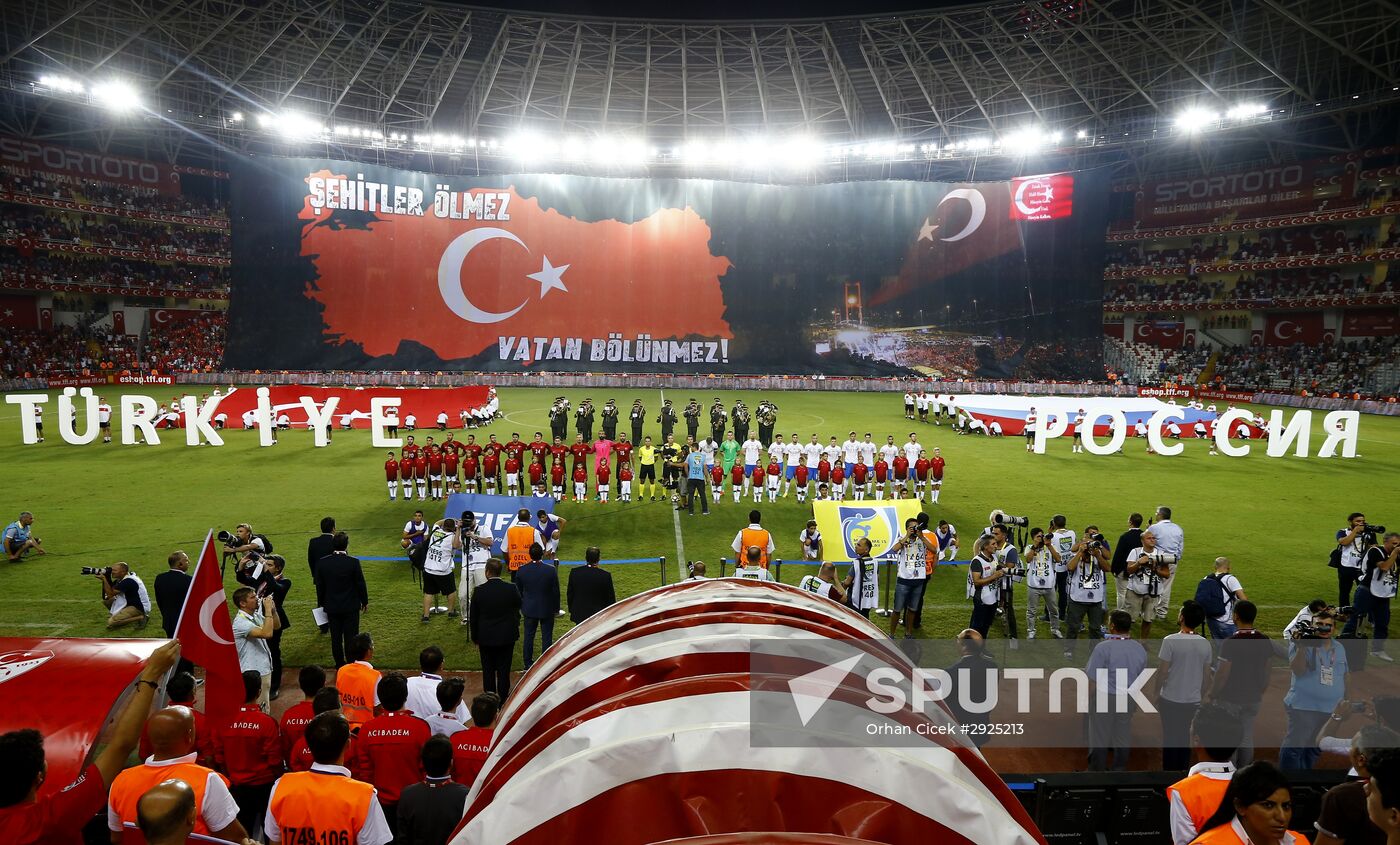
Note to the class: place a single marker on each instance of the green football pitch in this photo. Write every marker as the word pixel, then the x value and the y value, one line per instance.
pixel 98 504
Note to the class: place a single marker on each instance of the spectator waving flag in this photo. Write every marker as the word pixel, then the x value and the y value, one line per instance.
pixel 206 635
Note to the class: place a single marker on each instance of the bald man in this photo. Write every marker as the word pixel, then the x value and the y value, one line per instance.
pixel 166 813
pixel 172 735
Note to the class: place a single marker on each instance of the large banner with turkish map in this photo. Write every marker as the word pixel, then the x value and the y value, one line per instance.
pixel 341 266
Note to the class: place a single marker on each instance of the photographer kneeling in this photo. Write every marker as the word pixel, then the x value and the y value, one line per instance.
pixel 124 594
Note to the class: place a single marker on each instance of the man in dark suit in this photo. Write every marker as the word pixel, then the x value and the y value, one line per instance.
pixel 590 587
pixel 320 546
pixel 171 587
pixel 495 626
pixel 538 583
pixel 341 593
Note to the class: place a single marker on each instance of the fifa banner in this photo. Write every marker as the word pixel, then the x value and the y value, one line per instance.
pixel 496 513
pixel 879 522
pixel 355 266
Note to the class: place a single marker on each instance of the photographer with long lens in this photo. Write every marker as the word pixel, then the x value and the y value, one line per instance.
pixel 476 550
pixel 1088 565
pixel 1319 669
pixel 123 593
pixel 1346 557
pixel 1375 589
pixel 1149 568
pixel 912 578
pixel 1040 558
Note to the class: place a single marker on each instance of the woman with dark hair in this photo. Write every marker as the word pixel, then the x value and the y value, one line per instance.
pixel 1256 810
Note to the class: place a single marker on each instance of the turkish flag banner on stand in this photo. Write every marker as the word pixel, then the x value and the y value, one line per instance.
pixel 17 312
pixel 1046 197
pixel 119 321
pixel 1378 322
pixel 1286 329
pixel 1164 333
pixel 206 635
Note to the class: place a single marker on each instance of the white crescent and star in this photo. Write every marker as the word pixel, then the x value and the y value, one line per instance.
pixel 1033 210
pixel 450 276
pixel 206 617
pixel 1278 329
pixel 975 200
pixel 161 316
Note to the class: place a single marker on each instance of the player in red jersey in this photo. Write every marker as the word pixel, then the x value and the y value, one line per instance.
pixel 580 482
pixel 450 459
pixel 859 474
pixel 624 480
pixel 623 449
pixel 882 471
pixel 410 449
pixel 558 452
pixel 823 471
pixel 921 474
pixel 536 472
pixel 435 464
pixel 406 468
pixel 420 472
pixel 717 480
pixel 539 448
pixel 472 448
pixel 773 479
pixel 580 450
pixel 737 480
pixel 601 474
pixel 513 472
pixel 391 472
pixel 469 468
pixel 556 480
pixel 515 446
pixel 757 480
pixel 838 480
pixel 494 448
pixel 799 478
pixel 490 470
pixel 935 472
pixel 901 472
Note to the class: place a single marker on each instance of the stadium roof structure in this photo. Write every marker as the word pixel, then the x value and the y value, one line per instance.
pixel 1097 80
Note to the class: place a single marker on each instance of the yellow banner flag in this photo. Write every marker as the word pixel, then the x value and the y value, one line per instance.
pixel 880 522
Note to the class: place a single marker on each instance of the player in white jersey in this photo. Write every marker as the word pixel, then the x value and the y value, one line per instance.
pixel 752 449
pixel 911 452
pixel 707 448
pixel 867 451
pixel 813 451
pixel 777 450
pixel 832 451
pixel 792 456
pixel 850 453
pixel 889 451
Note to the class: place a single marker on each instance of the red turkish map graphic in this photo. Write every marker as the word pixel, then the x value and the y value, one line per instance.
pixel 378 277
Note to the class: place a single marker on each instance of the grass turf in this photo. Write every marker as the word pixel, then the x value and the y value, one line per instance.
pixel 101 503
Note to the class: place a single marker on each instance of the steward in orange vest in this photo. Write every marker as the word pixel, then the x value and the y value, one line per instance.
pixel 358 682
pixel 519 537
pixel 754 535
pixel 324 804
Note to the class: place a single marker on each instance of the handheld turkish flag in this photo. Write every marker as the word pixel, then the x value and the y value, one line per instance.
pixel 1046 197
pixel 206 635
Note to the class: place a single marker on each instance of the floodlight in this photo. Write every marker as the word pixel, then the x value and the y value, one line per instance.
pixel 1196 119
pixel 62 84
pixel 1244 111
pixel 115 95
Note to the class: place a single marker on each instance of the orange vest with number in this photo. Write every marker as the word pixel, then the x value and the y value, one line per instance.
pixel 754 537
pixel 357 684
pixel 1200 795
pixel 519 538
pixel 318 808
pixel 131 784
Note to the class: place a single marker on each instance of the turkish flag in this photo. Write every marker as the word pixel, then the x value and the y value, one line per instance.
pixel 119 321
pixel 969 226
pixel 1114 330
pixel 1163 333
pixel 1046 197
pixel 18 312
pixel 1376 322
pixel 167 317
pixel 26 247
pixel 458 286
pixel 206 635
pixel 1290 327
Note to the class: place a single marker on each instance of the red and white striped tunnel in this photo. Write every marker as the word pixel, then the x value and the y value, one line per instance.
pixel 635 728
